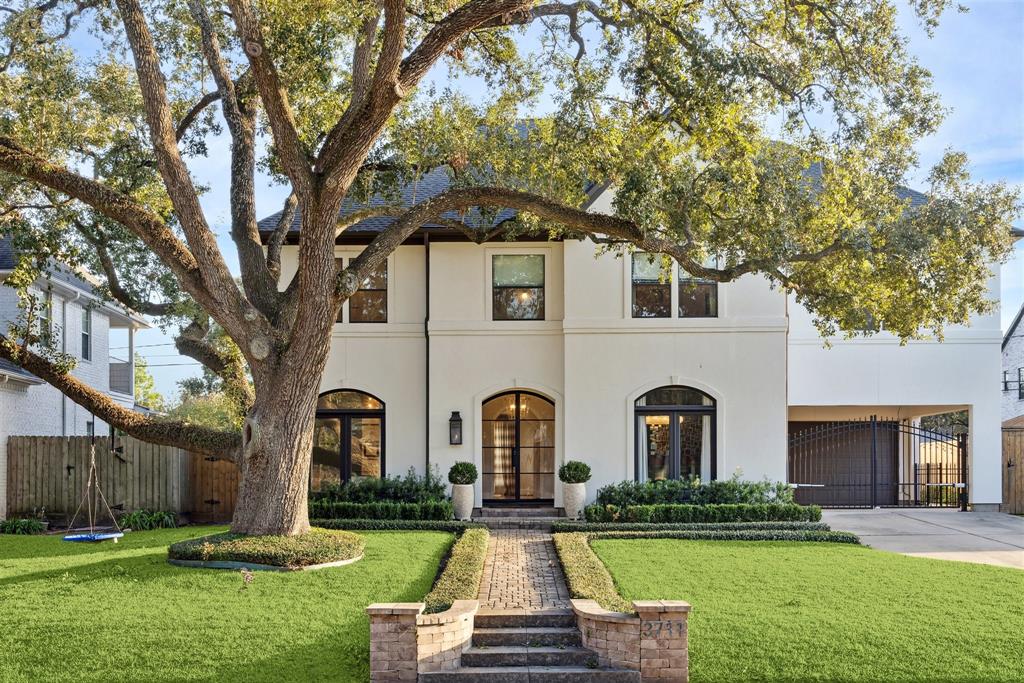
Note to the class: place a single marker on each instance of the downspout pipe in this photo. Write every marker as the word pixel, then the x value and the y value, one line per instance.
pixel 426 345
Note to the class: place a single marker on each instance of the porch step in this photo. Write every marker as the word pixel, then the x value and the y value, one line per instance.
pixel 518 655
pixel 531 674
pixel 519 618
pixel 520 512
pixel 546 636
pixel 540 523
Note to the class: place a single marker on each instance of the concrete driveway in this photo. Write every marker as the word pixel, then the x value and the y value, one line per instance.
pixel 982 537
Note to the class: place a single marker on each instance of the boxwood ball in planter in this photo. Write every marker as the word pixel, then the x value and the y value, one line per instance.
pixel 462 476
pixel 574 475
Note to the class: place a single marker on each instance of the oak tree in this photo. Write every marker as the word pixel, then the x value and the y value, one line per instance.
pixel 766 137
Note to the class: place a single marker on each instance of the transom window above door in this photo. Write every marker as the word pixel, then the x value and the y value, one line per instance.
pixel 517 286
pixel 654 296
pixel 369 303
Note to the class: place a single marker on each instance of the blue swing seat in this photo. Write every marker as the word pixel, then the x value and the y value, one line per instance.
pixel 94 537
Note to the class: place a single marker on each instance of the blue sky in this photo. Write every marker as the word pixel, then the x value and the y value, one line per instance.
pixel 977 60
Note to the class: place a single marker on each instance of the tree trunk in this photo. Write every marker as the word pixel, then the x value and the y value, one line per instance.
pixel 278 440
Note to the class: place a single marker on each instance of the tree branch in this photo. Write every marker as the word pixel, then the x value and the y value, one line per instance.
pixel 276 240
pixel 192 342
pixel 191 437
pixel 117 291
pixel 275 99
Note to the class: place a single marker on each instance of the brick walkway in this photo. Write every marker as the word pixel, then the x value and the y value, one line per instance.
pixel 522 572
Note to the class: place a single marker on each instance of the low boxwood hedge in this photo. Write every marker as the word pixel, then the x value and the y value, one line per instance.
pixel 451 526
pixel 316 547
pixel 460 577
pixel 571 526
pixel 735 535
pixel 585 574
pixel 342 509
pixel 671 513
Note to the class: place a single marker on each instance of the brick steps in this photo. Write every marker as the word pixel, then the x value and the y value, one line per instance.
pixel 528 656
pixel 526 636
pixel 518 512
pixel 532 522
pixel 532 674
pixel 511 618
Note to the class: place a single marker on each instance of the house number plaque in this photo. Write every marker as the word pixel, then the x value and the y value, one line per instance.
pixel 663 629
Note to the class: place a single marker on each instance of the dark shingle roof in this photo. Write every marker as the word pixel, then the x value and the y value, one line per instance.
pixel 9 260
pixel 429 185
pixel 8 368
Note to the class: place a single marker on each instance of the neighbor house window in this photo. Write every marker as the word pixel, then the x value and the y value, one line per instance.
pixel 517 282
pixel 1020 383
pixel 45 316
pixel 652 287
pixel 86 333
pixel 369 303
pixel 653 295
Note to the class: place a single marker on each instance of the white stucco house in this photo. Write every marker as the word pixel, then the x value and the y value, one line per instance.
pixel 543 351
pixel 82 323
pixel 1013 371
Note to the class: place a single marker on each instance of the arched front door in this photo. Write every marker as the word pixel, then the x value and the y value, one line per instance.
pixel 518 449
pixel 348 438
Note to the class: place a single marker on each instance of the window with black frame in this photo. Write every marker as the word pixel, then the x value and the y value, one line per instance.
pixel 369 304
pixel 348 439
pixel 517 286
pixel 652 287
pixel 698 298
pixel 675 434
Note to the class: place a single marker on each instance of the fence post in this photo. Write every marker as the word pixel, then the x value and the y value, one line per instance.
pixel 961 446
pixel 874 461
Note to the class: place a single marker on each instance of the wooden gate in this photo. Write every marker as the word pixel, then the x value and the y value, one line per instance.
pixel 1013 470
pixel 213 488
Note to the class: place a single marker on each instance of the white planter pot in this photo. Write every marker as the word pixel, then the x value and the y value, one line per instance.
pixel 462 500
pixel 573 498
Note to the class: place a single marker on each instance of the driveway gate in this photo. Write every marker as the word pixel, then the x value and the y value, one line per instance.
pixel 877 462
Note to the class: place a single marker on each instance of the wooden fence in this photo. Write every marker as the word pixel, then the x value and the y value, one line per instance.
pixel 49 473
pixel 1013 470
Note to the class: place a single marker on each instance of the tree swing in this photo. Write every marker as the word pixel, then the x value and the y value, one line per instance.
pixel 92 496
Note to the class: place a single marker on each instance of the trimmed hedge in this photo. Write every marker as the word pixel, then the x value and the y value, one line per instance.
pixel 316 547
pixel 411 488
pixel 460 578
pixel 570 526
pixel 586 575
pixel 660 514
pixel 341 509
pixel 451 526
pixel 731 491
pixel 735 535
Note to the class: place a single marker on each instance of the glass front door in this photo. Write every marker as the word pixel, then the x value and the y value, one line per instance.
pixel 518 448
pixel 348 439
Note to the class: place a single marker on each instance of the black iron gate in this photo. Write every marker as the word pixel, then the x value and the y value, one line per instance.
pixel 877 462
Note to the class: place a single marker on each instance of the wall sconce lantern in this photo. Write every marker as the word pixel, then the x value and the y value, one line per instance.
pixel 455 429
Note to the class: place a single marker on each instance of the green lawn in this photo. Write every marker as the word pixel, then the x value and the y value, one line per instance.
pixel 829 612
pixel 109 612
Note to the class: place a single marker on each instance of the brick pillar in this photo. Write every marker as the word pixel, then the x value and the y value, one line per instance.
pixel 663 640
pixel 393 640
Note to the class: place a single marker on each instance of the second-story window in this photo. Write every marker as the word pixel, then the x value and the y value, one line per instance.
pixel 86 333
pixel 517 286
pixel 652 288
pixel 45 317
pixel 370 302
pixel 653 295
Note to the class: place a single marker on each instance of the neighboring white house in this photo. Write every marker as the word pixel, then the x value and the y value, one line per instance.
pixel 1013 369
pixel 81 322
pixel 546 352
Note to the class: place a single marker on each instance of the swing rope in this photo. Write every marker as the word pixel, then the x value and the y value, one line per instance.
pixel 92 495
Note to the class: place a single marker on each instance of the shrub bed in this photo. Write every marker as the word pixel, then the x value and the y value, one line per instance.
pixel 460 577
pixel 316 547
pixel 22 526
pixel 451 526
pixel 339 509
pixel 736 535
pixel 570 526
pixel 732 491
pixel 145 520
pixel 657 514
pixel 585 574
pixel 411 488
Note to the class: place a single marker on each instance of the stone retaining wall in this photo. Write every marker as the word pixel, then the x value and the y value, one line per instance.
pixel 404 642
pixel 651 640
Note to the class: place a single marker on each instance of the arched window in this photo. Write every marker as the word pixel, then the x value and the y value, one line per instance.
pixel 348 438
pixel 675 434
